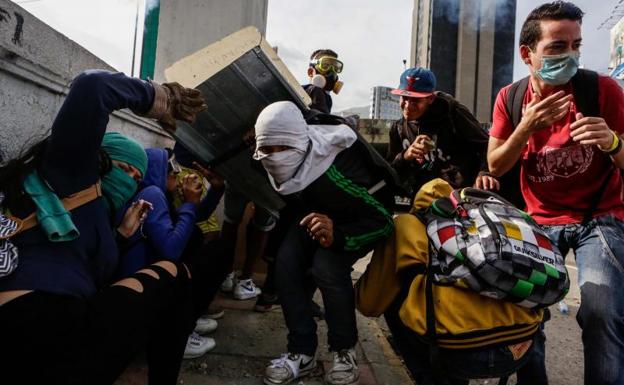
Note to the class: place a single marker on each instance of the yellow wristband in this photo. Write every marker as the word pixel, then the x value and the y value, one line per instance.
pixel 616 142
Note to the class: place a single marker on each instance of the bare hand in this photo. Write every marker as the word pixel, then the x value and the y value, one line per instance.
pixel 320 228
pixel 487 182
pixel 592 131
pixel 540 114
pixel 184 104
pixel 213 177
pixel 134 217
pixel 418 149
pixel 192 188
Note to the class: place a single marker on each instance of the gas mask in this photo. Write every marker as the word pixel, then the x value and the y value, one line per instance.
pixel 328 82
pixel 327 69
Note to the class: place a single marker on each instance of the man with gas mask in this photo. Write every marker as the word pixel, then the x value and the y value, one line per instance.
pixel 322 170
pixel 563 127
pixel 323 73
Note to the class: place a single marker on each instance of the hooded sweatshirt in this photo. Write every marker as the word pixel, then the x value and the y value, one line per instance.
pixel 333 179
pixel 461 145
pixel 166 231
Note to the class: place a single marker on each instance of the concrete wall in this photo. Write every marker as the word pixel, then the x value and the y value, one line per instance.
pixel 188 26
pixel 36 65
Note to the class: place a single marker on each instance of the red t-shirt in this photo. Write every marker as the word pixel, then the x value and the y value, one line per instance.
pixel 558 176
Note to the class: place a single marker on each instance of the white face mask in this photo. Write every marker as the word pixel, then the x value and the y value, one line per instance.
pixel 281 165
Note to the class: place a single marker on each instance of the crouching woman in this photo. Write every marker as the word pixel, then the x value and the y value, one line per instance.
pixel 57 301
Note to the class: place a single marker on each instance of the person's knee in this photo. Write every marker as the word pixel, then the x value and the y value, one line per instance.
pixel 599 311
pixel 130 283
pixel 328 275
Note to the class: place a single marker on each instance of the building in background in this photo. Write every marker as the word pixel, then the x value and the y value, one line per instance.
pixel 175 29
pixel 384 105
pixel 469 45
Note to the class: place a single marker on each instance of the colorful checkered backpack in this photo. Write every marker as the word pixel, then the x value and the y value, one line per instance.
pixel 478 238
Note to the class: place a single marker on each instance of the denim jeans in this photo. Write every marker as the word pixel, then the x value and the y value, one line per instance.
pixel 299 258
pixel 599 251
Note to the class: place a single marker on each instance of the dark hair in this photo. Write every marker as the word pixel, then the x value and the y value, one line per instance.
pixel 531 31
pixel 13 173
pixel 323 52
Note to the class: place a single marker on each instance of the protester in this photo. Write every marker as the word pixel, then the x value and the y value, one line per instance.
pixel 165 234
pixel 566 138
pixel 319 169
pixel 437 137
pixel 323 74
pixel 66 262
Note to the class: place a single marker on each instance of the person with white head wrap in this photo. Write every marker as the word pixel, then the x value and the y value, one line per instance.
pixel 322 171
pixel 310 151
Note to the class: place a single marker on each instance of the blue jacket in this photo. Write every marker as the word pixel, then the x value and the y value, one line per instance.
pixel 166 231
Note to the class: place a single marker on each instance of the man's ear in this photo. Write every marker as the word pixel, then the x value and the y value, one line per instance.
pixel 525 52
pixel 311 72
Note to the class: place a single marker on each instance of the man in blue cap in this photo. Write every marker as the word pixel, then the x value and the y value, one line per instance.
pixel 437 137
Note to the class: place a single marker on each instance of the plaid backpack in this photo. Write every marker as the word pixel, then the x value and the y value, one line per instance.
pixel 478 238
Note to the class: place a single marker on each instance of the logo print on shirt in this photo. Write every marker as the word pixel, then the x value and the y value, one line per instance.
pixel 563 162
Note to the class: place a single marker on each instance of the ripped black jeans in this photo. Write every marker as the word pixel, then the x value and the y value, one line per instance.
pixel 53 339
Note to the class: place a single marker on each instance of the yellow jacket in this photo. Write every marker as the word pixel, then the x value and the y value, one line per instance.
pixel 464 319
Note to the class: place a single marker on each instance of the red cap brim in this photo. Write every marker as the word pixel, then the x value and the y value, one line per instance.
pixel 411 94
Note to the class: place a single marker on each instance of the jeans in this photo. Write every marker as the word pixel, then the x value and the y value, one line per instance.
pixel 299 255
pixel 599 250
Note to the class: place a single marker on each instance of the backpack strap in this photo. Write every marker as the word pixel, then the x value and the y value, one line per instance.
pixel 70 202
pixel 585 89
pixel 515 98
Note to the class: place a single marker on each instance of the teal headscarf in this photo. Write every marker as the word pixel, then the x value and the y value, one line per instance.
pixel 117 186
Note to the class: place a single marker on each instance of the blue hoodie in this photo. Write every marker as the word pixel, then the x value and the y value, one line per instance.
pixel 166 231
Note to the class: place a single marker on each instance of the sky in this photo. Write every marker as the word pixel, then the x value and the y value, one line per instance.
pixel 372 37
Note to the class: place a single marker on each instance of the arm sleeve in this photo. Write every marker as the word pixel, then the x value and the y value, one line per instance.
pixel 472 133
pixel 166 236
pixel 370 220
pixel 208 205
pixel 395 153
pixel 319 100
pixel 70 161
pixel 611 101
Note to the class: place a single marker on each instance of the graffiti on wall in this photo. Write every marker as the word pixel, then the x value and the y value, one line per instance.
pixel 10 18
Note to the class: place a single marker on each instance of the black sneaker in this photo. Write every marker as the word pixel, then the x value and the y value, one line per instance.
pixel 266 302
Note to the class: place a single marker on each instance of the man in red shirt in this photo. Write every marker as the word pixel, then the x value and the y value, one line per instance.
pixel 570 175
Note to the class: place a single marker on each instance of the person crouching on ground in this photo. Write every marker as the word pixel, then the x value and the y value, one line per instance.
pixel 316 168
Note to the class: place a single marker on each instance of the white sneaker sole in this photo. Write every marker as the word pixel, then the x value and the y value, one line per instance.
pixel 302 374
pixel 188 356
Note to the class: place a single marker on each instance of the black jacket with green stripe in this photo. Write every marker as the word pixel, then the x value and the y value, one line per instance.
pixel 341 193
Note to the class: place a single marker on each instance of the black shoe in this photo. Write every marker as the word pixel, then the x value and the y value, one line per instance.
pixel 266 302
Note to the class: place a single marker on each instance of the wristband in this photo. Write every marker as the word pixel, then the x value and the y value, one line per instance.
pixel 614 144
pixel 618 148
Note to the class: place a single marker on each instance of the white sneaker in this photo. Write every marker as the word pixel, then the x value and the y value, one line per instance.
pixel 197 346
pixel 344 369
pixel 288 367
pixel 246 289
pixel 205 325
pixel 228 283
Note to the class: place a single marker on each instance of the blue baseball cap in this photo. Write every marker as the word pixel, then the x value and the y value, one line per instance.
pixel 416 82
